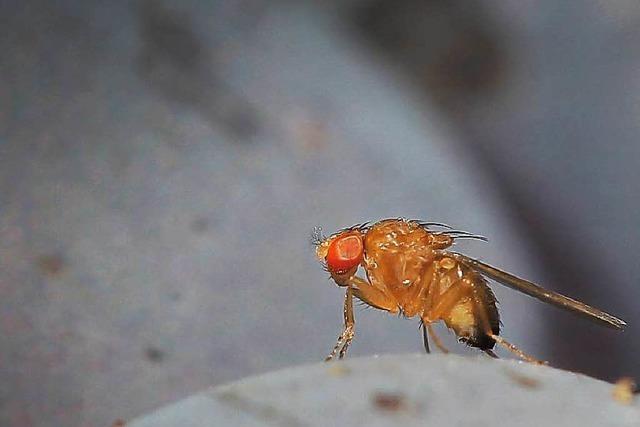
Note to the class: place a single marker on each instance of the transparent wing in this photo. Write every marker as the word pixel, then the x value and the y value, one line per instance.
pixel 541 293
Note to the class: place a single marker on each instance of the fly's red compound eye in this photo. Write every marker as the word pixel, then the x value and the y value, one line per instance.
pixel 344 253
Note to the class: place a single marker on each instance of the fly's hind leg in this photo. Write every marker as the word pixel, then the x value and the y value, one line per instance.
pixel 348 333
pixel 466 288
pixel 484 323
pixel 515 350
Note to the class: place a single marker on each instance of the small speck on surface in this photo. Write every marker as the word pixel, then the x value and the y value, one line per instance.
pixel 154 354
pixel 199 225
pixel 51 264
pixel 389 401
pixel 523 380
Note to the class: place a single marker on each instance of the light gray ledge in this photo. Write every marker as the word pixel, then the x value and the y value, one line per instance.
pixel 405 390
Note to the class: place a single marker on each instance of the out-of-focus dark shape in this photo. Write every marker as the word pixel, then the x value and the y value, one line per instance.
pixel 51 265
pixel 154 354
pixel 176 64
pixel 448 46
pixel 531 87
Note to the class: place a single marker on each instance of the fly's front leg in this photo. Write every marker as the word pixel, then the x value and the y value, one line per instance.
pixel 368 294
pixel 348 333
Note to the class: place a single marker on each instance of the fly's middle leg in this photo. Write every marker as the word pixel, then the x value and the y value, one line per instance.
pixel 436 339
pixel 429 332
pixel 425 338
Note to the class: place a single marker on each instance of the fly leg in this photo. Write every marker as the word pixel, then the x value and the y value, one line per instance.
pixel 428 329
pixel 436 339
pixel 371 295
pixel 432 289
pixel 425 338
pixel 447 300
pixel 347 334
pixel 491 353
pixel 464 289
pixel 515 350
pixel 368 294
pixel 484 323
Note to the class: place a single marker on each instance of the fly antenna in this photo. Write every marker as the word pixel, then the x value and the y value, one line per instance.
pixel 317 236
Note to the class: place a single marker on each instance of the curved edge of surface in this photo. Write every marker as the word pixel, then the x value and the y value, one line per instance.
pixel 408 390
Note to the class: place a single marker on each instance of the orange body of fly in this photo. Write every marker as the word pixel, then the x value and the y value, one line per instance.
pixel 409 269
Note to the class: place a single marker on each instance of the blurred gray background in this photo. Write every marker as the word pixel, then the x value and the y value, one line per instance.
pixel 162 164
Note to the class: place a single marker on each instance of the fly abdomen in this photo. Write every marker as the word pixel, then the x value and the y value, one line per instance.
pixel 486 314
pixel 466 304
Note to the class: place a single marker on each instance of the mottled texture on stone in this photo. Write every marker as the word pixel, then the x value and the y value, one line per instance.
pixel 407 390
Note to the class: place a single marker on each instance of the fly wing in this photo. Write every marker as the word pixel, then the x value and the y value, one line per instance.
pixel 541 293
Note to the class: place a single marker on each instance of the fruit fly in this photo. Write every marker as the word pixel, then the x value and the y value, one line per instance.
pixel 410 271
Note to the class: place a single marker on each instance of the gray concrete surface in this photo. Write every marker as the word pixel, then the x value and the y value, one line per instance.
pixel 407 390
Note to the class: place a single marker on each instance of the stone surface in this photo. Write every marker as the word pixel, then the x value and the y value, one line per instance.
pixel 407 390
